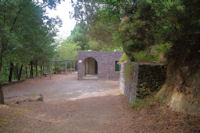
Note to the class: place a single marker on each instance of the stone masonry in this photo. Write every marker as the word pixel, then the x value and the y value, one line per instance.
pixel 138 80
pixel 105 61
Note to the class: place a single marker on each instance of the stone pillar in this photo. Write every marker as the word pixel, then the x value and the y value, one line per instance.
pixel 128 80
pixel 141 79
pixel 121 79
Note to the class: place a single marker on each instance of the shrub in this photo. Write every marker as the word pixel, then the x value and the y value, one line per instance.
pixel 143 56
pixel 138 103
pixel 124 58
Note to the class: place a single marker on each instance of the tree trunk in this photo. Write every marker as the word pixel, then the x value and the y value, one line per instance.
pixel 36 69
pixel 182 87
pixel 26 71
pixel 1 54
pixel 1 95
pixel 11 72
pixel 1 92
pixel 16 71
pixel 1 60
pixel 55 68
pixel 31 69
pixel 41 70
pixel 20 72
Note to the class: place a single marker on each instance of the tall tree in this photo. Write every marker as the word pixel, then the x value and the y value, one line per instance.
pixel 80 36
pixel 25 32
pixel 153 22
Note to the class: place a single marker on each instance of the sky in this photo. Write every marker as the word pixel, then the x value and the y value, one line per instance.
pixel 63 12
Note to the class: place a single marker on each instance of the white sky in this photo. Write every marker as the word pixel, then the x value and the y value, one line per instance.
pixel 63 12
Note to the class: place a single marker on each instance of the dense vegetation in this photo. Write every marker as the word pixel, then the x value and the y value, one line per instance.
pixel 26 38
pixel 146 29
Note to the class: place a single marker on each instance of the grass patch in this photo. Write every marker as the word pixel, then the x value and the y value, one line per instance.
pixel 4 122
pixel 139 103
pixel 143 56
pixel 34 94
pixel 18 114
pixel 124 58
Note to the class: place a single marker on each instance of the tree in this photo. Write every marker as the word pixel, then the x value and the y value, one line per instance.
pixel 153 22
pixel 79 36
pixel 67 50
pixel 102 21
pixel 26 34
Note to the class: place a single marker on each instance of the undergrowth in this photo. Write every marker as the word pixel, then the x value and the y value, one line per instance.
pixel 139 103
pixel 155 54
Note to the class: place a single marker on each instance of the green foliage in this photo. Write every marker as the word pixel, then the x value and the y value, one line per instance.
pixel 124 58
pixel 128 73
pixel 34 93
pixel 143 92
pixel 155 54
pixel 143 56
pixel 163 48
pixel 67 50
pixel 159 51
pixel 79 36
pixel 139 103
pixel 139 25
pixel 101 21
pixel 26 35
pixel 149 29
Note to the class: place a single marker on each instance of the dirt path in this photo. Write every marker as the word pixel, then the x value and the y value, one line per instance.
pixel 70 106
pixel 86 106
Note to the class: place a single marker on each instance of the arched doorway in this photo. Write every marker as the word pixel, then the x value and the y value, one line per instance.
pixel 91 66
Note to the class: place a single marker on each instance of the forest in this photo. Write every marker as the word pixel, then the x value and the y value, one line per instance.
pixel 145 30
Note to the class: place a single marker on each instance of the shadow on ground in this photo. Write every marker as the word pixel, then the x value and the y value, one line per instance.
pixel 86 106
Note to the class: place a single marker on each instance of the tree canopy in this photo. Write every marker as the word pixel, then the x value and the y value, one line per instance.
pixel 26 36
pixel 143 26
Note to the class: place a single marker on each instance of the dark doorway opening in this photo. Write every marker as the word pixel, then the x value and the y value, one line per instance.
pixel 91 66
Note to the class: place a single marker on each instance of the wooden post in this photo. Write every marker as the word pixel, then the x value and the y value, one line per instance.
pixel 11 71
pixel 71 66
pixel 74 64
pixel 65 67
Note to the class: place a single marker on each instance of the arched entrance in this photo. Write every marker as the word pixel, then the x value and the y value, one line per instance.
pixel 91 66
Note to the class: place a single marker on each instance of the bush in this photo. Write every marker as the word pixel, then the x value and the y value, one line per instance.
pixel 160 50
pixel 156 54
pixel 124 58
pixel 143 92
pixel 138 103
pixel 143 56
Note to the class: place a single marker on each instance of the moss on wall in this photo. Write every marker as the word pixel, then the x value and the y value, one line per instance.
pixel 138 80
pixel 150 79
pixel 128 73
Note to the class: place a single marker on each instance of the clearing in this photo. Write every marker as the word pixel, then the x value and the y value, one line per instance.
pixel 85 106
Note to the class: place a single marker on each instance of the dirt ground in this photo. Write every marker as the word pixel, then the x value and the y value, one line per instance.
pixel 85 106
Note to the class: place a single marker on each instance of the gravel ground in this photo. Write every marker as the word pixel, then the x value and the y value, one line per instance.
pixel 70 106
pixel 85 106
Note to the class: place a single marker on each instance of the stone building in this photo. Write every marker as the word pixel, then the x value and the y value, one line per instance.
pixel 99 65
pixel 138 80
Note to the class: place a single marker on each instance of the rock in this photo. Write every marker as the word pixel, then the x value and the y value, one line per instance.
pixel 40 98
pixel 21 99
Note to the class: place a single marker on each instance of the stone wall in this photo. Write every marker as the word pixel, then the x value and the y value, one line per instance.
pixel 105 62
pixel 141 79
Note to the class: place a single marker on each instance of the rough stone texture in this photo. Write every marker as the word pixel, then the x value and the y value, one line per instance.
pixel 105 61
pixel 137 78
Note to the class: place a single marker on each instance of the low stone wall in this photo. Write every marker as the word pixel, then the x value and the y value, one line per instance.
pixel 141 79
